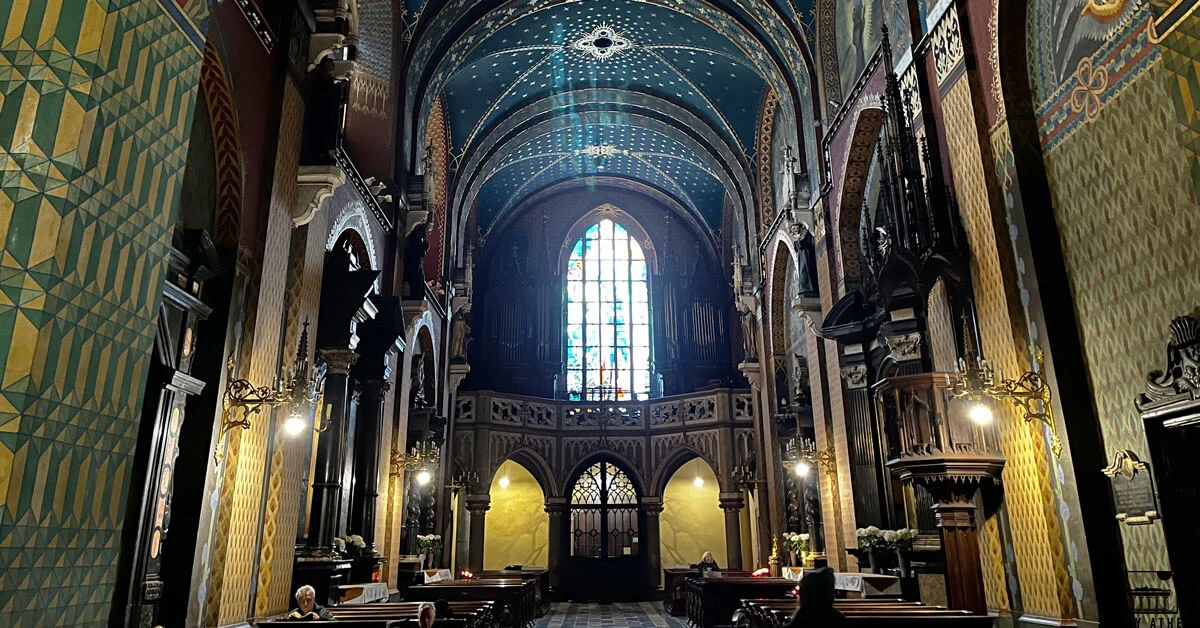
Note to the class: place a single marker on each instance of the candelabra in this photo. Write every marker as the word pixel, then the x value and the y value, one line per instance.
pixel 976 382
pixel 299 386
pixel 463 480
pixel 423 455
pixel 803 455
pixel 746 475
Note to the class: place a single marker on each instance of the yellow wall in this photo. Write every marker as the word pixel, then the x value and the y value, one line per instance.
pixel 692 521
pixel 516 529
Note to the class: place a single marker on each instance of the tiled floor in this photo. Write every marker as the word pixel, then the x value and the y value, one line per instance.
pixel 634 615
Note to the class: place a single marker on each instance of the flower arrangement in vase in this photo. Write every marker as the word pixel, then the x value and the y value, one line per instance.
pixel 901 541
pixel 427 544
pixel 797 544
pixel 352 545
pixel 871 541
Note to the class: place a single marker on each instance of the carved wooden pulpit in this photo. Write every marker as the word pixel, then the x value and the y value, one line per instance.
pixel 932 442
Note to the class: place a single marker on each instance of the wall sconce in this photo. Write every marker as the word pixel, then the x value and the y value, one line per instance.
pixel 424 455
pixel 298 386
pixel 976 383
pixel 805 454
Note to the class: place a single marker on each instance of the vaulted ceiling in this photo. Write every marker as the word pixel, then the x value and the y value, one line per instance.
pixel 664 93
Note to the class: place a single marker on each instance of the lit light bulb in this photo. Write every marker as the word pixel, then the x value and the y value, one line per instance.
pixel 981 414
pixel 424 477
pixel 504 482
pixel 699 481
pixel 294 425
pixel 802 468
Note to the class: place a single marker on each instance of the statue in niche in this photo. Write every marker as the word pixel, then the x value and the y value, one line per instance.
pixel 418 386
pixel 322 115
pixel 460 337
pixel 748 344
pixel 416 246
pixel 807 267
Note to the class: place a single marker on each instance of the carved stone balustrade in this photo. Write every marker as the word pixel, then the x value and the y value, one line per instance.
pixel 932 441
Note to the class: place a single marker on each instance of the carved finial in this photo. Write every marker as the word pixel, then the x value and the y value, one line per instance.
pixel 1185 330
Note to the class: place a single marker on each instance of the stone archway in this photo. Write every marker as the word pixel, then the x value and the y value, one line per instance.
pixel 859 157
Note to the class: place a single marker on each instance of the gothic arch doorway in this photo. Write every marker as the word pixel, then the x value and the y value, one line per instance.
pixel 606 562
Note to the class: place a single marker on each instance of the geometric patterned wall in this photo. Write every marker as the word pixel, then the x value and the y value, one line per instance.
pixel 95 113
pixel 1130 268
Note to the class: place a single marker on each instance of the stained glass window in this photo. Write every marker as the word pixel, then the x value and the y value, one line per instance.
pixel 608 316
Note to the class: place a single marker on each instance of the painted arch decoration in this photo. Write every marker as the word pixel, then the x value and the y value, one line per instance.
pixel 713 61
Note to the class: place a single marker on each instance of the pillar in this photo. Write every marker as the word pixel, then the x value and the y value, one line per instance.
pixel 955 512
pixel 650 540
pixel 331 452
pixel 478 506
pixel 732 504
pixel 317 564
pixel 559 540
pixel 366 460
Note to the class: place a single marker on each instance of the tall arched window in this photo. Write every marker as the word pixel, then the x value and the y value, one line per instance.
pixel 608 316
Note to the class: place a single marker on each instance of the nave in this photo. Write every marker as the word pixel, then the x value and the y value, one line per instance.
pixel 615 615
pixel 367 304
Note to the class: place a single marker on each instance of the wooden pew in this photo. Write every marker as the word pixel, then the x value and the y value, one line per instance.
pixel 540 577
pixel 514 598
pixel 711 602
pixel 675 587
pixel 400 615
pixel 871 614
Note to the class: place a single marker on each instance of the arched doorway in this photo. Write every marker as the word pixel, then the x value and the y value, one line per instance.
pixel 692 522
pixel 516 531
pixel 606 562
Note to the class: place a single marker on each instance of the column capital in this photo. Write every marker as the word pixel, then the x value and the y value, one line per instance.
pixel 478 504
pixel 339 361
pixel 731 501
pixel 652 505
pixel 557 506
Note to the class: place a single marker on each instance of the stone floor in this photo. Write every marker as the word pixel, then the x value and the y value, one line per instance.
pixel 632 615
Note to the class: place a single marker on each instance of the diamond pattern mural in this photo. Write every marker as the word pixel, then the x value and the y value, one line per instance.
pixel 95 109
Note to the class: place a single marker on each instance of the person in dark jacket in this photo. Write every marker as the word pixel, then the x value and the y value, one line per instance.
pixel 707 564
pixel 816 602
pixel 307 608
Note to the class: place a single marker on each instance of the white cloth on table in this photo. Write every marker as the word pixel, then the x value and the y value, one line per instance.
pixel 364 593
pixel 867 584
pixel 436 575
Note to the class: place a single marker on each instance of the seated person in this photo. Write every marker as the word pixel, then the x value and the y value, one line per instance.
pixel 816 602
pixel 442 609
pixel 426 614
pixel 307 607
pixel 707 564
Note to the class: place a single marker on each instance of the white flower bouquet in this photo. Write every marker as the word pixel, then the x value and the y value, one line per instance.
pixel 798 543
pixel 350 544
pixel 901 540
pixel 428 543
pixel 870 538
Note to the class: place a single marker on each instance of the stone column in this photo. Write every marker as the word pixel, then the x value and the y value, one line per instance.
pixel 649 542
pixel 317 564
pixel 366 460
pixel 331 453
pixel 478 506
pixel 559 540
pixel 732 504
